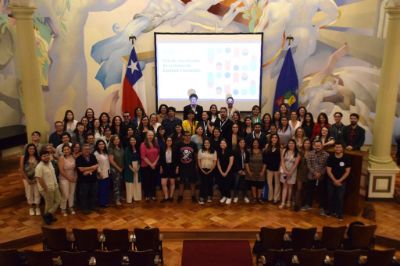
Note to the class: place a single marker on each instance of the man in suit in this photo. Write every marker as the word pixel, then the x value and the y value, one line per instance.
pixel 353 134
pixel 197 109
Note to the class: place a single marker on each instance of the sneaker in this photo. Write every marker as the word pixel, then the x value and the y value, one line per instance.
pixel 228 201
pixel 222 200
pixel 118 203
pixel 194 200
pixel 31 211
pixel 340 217
pixel 322 212
pixel 235 200
pixel 201 201
pixel 209 200
pixel 246 200
pixel 37 211
pixel 180 199
pixel 305 208
pixel 64 213
pixel 72 211
pixel 153 198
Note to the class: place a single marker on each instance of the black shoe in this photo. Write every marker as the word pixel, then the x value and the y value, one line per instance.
pixel 171 199
pixel 52 218
pixel 164 200
pixel 47 218
pixel 194 200
pixel 180 199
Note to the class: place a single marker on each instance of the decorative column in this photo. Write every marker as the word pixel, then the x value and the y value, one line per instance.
pixel 382 169
pixel 28 70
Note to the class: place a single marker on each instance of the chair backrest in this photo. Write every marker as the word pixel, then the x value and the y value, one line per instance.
pixel 116 239
pixel 141 258
pixel 303 238
pixel 147 238
pixel 9 257
pixel 278 257
pixel 312 257
pixel 346 257
pixel 86 239
pixel 74 258
pixel 380 257
pixel 55 239
pixel 106 258
pixel 38 258
pixel 272 238
pixel 332 237
pixel 361 236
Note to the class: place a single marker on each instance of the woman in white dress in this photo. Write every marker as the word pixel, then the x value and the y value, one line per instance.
pixel 290 158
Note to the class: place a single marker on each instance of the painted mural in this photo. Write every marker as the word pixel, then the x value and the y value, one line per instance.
pixel 82 46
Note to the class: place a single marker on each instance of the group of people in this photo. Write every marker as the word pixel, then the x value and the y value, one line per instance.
pixel 281 158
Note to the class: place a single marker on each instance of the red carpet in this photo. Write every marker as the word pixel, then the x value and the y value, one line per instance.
pixel 216 252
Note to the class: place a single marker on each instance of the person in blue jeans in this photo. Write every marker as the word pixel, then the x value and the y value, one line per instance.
pixel 338 170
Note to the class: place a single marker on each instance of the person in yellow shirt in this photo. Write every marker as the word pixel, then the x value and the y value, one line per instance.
pixel 190 124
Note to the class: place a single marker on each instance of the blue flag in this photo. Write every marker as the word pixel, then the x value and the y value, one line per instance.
pixel 287 85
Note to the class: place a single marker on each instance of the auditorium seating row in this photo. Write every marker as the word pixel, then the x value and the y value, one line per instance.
pixel 91 247
pixel 351 246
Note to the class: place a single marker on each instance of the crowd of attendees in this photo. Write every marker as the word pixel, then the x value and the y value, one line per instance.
pixel 280 158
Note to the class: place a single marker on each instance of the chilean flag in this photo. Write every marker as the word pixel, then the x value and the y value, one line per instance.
pixel 133 91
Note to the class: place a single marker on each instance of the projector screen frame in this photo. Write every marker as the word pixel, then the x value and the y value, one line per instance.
pixel 209 33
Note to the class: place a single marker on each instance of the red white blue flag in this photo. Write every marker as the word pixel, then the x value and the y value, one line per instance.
pixel 133 91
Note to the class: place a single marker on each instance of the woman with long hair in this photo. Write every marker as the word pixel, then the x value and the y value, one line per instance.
pixel 149 154
pixel 162 112
pixel 27 165
pixel 129 132
pixel 308 125
pixel 132 180
pixel 138 115
pixel 239 172
pixel 76 149
pixel 284 110
pixel 236 119
pixel 289 161
pixel 294 122
pixel 301 113
pixel 266 123
pixel 117 127
pixel 161 137
pixel 85 123
pixel 177 136
pixel 234 137
pixel 299 137
pixel 105 120
pixel 325 137
pixel 205 123
pixel 322 121
pixel 302 173
pixel 153 122
pixel 276 119
pixel 143 128
pixel 213 114
pixel 97 129
pixel 224 166
pixel 167 170
pixel 116 156
pixel 215 139
pixel 207 161
pixel 255 171
pixel 284 132
pixel 89 114
pixel 248 126
pixel 67 179
pixel 69 122
pixel 272 156
pixel 103 172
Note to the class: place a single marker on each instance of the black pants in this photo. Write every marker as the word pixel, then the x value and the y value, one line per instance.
pixel 206 184
pixel 239 184
pixel 320 189
pixel 336 198
pixel 87 195
pixel 149 177
pixel 225 185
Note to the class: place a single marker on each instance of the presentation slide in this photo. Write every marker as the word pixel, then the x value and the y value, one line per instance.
pixel 213 65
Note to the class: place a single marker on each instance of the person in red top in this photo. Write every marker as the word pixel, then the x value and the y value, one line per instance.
pixel 149 154
pixel 322 121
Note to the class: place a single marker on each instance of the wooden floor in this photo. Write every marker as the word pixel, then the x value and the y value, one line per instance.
pixel 176 221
